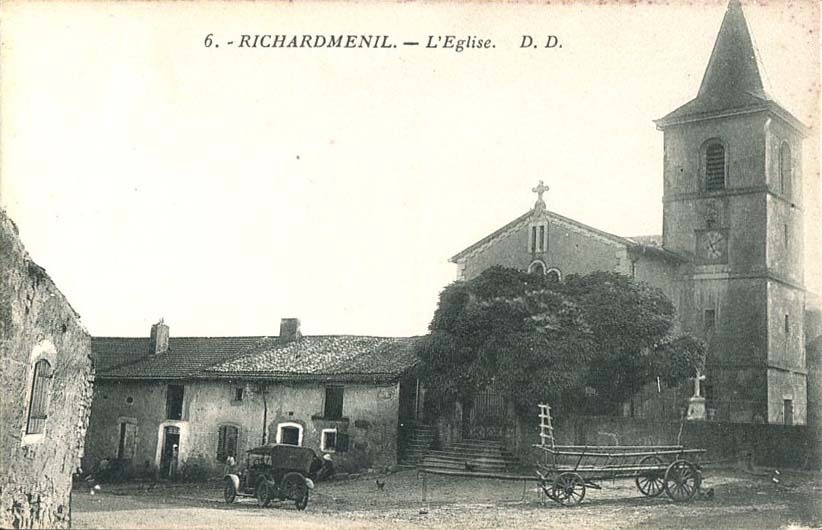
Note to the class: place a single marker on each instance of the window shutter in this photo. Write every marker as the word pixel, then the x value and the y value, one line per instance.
pixel 343 442
pixel 38 407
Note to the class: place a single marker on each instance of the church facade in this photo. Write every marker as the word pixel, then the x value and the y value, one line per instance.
pixel 730 256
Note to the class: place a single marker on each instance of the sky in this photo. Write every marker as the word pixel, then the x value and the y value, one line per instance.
pixel 223 188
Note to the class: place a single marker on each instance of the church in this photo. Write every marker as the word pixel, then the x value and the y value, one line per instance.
pixel 730 256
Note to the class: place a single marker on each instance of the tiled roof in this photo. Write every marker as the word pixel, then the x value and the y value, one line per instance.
pixel 335 357
pixel 342 357
pixel 128 357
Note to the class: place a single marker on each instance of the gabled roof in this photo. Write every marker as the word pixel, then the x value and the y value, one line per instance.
pixel 733 78
pixel 129 358
pixel 523 219
pixel 333 357
pixel 652 244
pixel 328 358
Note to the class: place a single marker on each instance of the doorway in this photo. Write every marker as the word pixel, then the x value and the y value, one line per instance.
pixel 171 451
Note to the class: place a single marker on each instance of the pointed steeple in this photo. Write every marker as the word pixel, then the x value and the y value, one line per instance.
pixel 733 78
pixel 734 67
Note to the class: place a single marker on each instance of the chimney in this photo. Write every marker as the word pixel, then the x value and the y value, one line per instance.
pixel 290 330
pixel 158 340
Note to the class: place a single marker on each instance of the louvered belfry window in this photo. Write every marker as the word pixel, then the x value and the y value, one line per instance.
pixel 38 407
pixel 714 167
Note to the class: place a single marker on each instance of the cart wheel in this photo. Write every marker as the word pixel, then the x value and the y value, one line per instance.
pixel 295 489
pixel 263 494
pixel 682 481
pixel 569 489
pixel 229 491
pixel 651 482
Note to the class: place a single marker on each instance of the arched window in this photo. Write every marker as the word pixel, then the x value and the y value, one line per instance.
pixel 714 166
pixel 536 267
pixel 553 275
pixel 38 406
pixel 784 167
pixel 227 438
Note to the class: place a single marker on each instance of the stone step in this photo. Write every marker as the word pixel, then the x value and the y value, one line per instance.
pixel 452 457
pixel 435 464
pixel 479 443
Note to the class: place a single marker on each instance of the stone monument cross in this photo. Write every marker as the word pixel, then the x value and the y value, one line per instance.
pixel 697 390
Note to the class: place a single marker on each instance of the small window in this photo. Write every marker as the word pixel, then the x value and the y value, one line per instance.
pixel 714 167
pixel 174 402
pixel 709 321
pixel 238 393
pixel 38 406
pixel 333 402
pixel 787 323
pixel 328 440
pixel 784 167
pixel 127 446
pixel 290 434
pixel 227 438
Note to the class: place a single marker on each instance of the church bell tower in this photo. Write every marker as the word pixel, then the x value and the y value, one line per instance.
pixel 732 203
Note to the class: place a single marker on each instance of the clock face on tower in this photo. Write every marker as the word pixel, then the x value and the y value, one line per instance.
pixel 713 244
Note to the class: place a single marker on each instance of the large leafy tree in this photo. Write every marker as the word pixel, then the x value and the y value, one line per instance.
pixel 594 338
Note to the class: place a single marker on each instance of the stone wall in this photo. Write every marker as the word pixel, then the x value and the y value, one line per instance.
pixel 36 322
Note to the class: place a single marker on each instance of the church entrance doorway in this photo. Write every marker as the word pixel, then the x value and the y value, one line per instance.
pixel 485 417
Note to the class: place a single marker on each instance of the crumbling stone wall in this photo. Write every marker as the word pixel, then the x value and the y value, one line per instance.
pixel 37 322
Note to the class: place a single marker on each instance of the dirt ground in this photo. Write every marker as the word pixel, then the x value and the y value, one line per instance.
pixel 741 500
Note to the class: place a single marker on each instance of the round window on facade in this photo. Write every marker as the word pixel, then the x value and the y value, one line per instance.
pixel 129 400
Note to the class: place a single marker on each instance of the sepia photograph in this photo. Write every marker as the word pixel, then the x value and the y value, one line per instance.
pixel 410 265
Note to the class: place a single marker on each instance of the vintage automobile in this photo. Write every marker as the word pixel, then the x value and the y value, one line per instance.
pixel 278 471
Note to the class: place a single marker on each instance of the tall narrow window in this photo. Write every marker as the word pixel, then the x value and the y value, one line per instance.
pixel 174 402
pixel 787 411
pixel 533 239
pixel 227 438
pixel 333 402
pixel 784 167
pixel 787 238
pixel 541 244
pixel 38 406
pixel 787 323
pixel 714 167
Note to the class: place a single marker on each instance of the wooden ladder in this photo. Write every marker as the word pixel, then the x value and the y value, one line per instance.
pixel 546 430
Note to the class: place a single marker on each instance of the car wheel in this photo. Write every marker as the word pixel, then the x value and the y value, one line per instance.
pixel 263 494
pixel 229 491
pixel 295 488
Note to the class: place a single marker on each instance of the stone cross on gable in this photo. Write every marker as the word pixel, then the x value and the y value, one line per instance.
pixel 697 390
pixel 540 189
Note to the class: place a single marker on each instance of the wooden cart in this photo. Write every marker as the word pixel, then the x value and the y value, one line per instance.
pixel 566 471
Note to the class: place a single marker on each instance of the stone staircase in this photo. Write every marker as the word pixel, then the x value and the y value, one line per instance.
pixel 419 442
pixel 472 456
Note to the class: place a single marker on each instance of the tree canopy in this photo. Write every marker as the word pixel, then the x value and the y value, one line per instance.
pixel 593 339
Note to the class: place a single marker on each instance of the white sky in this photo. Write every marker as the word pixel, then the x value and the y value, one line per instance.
pixel 226 188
